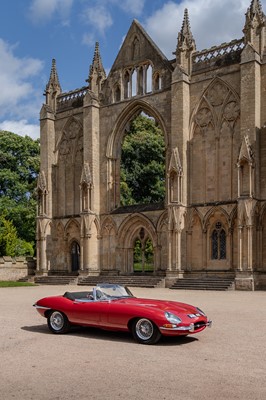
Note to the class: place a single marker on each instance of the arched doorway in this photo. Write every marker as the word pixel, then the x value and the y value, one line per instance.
pixel 143 254
pixel 75 257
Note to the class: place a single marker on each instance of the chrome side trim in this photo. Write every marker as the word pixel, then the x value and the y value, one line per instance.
pixel 41 307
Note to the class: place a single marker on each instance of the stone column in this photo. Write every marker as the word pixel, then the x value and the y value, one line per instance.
pixel 81 267
pixel 240 251
pixel 204 250
pixel 230 240
pixel 250 247
pixel 170 255
pixel 43 261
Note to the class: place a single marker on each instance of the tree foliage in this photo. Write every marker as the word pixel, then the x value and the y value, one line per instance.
pixel 142 178
pixel 10 243
pixel 19 168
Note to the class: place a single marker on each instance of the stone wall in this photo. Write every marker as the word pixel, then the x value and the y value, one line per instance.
pixel 12 269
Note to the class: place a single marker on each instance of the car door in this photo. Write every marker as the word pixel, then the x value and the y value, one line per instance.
pixel 93 313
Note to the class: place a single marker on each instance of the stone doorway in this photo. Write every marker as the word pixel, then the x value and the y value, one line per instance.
pixel 75 257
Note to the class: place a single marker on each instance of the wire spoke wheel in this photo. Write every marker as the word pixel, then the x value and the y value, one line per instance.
pixel 145 332
pixel 144 329
pixel 58 322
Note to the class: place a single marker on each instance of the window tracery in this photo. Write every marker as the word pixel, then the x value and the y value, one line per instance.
pixel 218 242
pixel 137 80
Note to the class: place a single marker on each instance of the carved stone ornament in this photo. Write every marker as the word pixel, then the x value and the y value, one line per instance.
pixel 203 117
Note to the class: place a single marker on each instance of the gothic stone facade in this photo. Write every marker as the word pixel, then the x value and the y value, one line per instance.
pixel 211 107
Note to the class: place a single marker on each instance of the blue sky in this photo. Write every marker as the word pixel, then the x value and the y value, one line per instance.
pixel 33 32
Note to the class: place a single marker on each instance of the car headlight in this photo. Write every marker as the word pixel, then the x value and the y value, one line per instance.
pixel 172 318
pixel 200 312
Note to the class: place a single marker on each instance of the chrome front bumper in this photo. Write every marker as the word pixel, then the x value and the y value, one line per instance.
pixel 190 328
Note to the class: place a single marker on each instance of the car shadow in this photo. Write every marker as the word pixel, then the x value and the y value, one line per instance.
pixel 100 334
pixel 36 329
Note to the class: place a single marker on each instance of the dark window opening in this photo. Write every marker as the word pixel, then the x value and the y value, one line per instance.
pixel 218 243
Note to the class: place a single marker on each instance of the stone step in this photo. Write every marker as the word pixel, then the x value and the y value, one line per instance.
pixel 27 278
pixel 136 281
pixel 55 280
pixel 204 284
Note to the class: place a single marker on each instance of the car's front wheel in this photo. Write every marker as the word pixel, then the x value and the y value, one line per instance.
pixel 58 322
pixel 145 331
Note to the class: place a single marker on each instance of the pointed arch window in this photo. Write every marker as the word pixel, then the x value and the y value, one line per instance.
pixel 117 94
pixel 218 242
pixel 85 197
pixel 135 48
pixel 149 79
pixel 245 178
pixel 127 92
pixel 174 189
pixel 41 195
pixel 157 82
pixel 134 80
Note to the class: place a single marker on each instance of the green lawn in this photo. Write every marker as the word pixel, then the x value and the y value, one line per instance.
pixel 147 267
pixel 15 284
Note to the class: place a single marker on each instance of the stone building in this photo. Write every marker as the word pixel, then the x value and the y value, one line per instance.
pixel 211 107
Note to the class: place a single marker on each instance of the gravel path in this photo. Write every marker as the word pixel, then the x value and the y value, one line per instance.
pixel 227 361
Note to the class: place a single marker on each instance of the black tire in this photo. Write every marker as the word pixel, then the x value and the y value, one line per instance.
pixel 57 322
pixel 145 331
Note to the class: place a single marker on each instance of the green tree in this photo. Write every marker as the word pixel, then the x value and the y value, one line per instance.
pixel 142 178
pixel 10 244
pixel 19 168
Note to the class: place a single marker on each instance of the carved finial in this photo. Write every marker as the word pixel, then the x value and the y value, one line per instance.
pixel 86 175
pixel 246 151
pixel 185 37
pixel 185 45
pixel 254 26
pixel 41 181
pixel 53 87
pixel 256 8
pixel 97 73
pixel 175 163
pixel 53 80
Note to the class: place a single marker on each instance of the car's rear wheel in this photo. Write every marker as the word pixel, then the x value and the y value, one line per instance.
pixel 58 322
pixel 145 331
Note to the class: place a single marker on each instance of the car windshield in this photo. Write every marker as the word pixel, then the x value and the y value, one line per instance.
pixel 109 291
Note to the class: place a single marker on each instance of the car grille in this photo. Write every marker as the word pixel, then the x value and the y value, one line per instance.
pixel 199 325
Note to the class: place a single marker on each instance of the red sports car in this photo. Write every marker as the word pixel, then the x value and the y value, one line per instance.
pixel 113 307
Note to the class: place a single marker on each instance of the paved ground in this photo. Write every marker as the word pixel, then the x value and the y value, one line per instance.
pixel 227 361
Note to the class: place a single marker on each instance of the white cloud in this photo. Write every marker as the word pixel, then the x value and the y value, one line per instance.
pixel 131 7
pixel 98 17
pixel 42 11
pixel 98 14
pixel 15 78
pixel 88 39
pixel 212 22
pixel 21 127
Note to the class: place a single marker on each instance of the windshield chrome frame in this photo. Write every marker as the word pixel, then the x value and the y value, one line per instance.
pixel 119 289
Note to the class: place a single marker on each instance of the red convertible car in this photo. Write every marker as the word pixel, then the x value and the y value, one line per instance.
pixel 113 307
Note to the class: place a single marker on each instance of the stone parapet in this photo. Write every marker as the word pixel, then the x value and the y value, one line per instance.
pixel 14 268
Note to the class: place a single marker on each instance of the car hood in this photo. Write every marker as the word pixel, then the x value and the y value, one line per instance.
pixel 163 305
